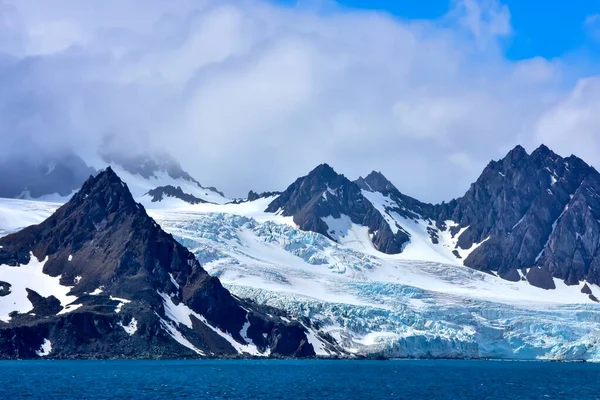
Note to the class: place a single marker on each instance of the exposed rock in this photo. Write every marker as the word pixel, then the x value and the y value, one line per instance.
pixel 4 288
pixel 252 195
pixel 160 193
pixel 526 210
pixel 324 193
pixel 531 210
pixel 128 268
pixel 586 289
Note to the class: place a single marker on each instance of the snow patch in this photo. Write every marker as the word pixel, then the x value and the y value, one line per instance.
pixel 181 314
pixel 97 291
pixel 130 328
pixel 122 302
pixel 178 336
pixel 45 349
pixel 173 281
pixel 30 276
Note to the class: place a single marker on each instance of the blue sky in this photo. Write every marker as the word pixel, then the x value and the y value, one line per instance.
pixel 548 29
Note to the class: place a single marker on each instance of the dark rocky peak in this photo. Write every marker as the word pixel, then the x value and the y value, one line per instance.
pixel 572 250
pixel 543 152
pixel 514 208
pixel 517 154
pixel 376 182
pixel 160 193
pixel 507 188
pixel 119 265
pixel 323 177
pixel 323 172
pixel 324 194
pixel 405 206
pixel 252 195
pixel 308 189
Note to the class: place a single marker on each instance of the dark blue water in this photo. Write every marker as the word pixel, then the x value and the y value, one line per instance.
pixel 297 380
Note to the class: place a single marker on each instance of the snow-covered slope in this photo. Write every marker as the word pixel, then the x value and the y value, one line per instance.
pixel 143 173
pixel 372 302
pixel 140 186
pixel 368 301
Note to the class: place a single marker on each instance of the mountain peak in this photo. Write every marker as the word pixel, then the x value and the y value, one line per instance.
pixel 517 153
pixel 107 190
pixel 117 265
pixel 323 171
pixel 375 181
pixel 544 152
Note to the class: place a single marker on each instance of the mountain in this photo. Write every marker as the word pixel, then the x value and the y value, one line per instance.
pixel 153 179
pixel 346 295
pixel 99 279
pixel 156 178
pixel 528 216
pixel 39 175
pixel 532 216
pixel 328 203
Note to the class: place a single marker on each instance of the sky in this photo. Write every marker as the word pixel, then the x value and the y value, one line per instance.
pixel 251 94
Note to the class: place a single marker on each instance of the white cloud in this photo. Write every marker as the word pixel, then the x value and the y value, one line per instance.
pixel 573 125
pixel 250 95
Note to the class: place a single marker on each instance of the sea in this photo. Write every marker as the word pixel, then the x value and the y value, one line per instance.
pixel 302 379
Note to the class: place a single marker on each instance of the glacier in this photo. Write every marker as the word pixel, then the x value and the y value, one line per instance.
pixel 370 302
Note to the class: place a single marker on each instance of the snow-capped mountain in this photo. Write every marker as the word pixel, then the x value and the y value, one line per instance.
pixel 99 278
pixel 361 264
pixel 46 177
pixel 156 180
pixel 328 203
pixel 532 217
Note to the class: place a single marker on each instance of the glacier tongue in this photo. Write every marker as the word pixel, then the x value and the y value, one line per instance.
pixel 376 303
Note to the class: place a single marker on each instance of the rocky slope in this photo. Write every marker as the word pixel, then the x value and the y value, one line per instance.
pixel 317 200
pixel 534 216
pixel 99 278
pixel 528 216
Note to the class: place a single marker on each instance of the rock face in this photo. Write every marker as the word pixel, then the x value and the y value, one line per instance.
pixel 528 216
pixel 133 291
pixel 404 205
pixel 252 195
pixel 532 212
pixel 317 200
pixel 160 193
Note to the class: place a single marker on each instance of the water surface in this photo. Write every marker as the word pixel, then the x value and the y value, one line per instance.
pixel 272 379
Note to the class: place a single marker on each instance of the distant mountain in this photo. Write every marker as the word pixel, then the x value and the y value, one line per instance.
pixel 36 175
pixel 528 216
pixel 328 203
pixel 56 175
pixel 153 178
pixel 99 278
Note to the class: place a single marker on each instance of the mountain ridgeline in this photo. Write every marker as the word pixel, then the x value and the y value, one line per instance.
pixel 531 217
pixel 123 288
